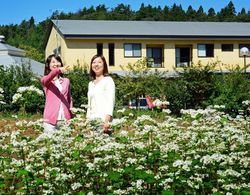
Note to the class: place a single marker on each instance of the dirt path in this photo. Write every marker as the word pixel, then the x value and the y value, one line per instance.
pixel 11 123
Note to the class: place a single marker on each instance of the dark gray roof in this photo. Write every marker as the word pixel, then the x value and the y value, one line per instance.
pixel 158 29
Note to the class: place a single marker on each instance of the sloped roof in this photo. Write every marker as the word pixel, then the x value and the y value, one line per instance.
pixel 36 67
pixel 150 29
pixel 10 50
pixel 10 55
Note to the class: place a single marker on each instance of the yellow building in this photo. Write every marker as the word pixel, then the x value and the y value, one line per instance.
pixel 167 45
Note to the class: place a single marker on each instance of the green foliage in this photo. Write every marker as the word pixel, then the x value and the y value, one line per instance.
pixel 31 100
pixel 33 53
pixel 14 77
pixel 199 83
pixel 178 96
pixel 231 90
pixel 195 87
pixel 140 80
pixel 79 79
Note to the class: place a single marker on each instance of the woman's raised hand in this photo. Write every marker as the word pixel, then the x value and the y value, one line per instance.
pixel 65 69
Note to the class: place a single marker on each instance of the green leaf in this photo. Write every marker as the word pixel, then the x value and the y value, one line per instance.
pixel 245 192
pixel 75 154
pixel 21 172
pixel 114 176
pixel 167 192
pixel 39 181
pixel 81 193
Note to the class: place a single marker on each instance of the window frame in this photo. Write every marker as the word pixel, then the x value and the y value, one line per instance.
pixel 229 49
pixel 151 58
pixel 206 48
pixel 133 49
pixel 99 48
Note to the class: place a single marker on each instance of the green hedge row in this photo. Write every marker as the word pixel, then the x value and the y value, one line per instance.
pixel 194 87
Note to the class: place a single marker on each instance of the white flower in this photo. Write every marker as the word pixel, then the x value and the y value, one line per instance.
pixel 77 110
pixel 117 122
pixel 166 111
pixel 75 186
pixel 138 184
pixel 90 166
pixel 121 110
pixel 21 90
pixel 157 103
pixel 16 97
pixel 1 90
pixel 124 133
pixel 247 102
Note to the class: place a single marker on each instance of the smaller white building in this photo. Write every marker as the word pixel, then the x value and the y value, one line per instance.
pixel 10 55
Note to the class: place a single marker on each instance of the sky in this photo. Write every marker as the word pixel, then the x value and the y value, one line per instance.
pixel 15 11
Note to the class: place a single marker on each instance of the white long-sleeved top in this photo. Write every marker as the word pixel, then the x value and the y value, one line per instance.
pixel 101 98
pixel 61 111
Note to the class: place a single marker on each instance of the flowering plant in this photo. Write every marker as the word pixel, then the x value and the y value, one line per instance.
pixel 28 99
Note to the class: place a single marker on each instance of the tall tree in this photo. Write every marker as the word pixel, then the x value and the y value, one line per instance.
pixel 101 12
pixel 165 13
pixel 148 13
pixel 121 12
pixel 242 16
pixel 141 13
pixel 157 11
pixel 211 16
pixel 191 14
pixel 200 14
pixel 227 13
pixel 177 13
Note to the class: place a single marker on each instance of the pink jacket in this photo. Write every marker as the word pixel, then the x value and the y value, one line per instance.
pixel 54 97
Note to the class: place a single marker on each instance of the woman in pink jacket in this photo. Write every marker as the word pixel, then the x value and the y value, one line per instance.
pixel 57 93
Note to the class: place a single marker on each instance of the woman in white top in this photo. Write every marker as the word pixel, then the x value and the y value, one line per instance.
pixel 101 92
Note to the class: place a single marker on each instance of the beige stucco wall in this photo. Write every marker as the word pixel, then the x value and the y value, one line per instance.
pixel 80 51
pixel 225 59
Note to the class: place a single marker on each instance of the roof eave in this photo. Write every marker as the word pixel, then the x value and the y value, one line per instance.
pixel 166 37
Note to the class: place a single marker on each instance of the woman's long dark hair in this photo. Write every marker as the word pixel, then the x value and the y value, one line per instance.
pixel 47 63
pixel 105 66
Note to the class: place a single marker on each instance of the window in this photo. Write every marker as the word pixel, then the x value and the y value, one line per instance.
pixel 99 47
pixel 111 54
pixel 205 50
pixel 183 56
pixel 243 45
pixel 132 50
pixel 57 51
pixel 154 57
pixel 227 47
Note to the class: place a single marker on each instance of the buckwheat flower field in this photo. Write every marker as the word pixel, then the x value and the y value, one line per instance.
pixel 202 152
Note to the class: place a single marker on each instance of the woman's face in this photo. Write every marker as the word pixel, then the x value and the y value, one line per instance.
pixel 97 66
pixel 54 63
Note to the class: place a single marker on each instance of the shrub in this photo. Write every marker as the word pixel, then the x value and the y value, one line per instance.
pixel 14 77
pixel 231 90
pixel 140 81
pixel 198 80
pixel 28 99
pixel 79 79
pixel 2 103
